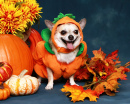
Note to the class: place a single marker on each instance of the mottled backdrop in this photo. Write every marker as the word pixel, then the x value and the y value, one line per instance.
pixel 108 22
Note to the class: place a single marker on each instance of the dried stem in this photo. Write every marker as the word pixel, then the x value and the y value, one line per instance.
pixel 1 85
pixel 89 85
pixel 127 64
pixel 93 83
pixel 23 73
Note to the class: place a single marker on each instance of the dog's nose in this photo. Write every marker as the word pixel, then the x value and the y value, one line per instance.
pixel 71 37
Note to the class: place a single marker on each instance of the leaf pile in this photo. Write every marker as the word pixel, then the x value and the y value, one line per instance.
pixel 101 73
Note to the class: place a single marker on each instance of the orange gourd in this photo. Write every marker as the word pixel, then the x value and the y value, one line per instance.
pixel 16 52
pixel 4 92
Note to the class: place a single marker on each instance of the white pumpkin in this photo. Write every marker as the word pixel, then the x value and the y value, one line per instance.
pixel 22 84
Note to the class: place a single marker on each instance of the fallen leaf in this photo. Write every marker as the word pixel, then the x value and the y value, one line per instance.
pixel 98 54
pixel 79 94
pixel 110 84
pixel 112 58
pixel 82 74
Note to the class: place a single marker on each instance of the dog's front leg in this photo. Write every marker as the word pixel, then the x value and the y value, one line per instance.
pixel 50 79
pixel 72 82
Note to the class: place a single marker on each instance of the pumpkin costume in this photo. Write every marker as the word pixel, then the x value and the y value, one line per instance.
pixel 45 57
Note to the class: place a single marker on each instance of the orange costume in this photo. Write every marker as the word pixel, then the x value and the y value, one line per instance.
pixel 45 57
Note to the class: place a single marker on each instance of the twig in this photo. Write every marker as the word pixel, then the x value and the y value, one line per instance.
pixel 89 85
pixel 1 85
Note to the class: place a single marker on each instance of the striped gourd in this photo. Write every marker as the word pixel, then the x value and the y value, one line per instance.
pixel 23 84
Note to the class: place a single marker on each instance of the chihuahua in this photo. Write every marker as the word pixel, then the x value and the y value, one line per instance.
pixel 67 36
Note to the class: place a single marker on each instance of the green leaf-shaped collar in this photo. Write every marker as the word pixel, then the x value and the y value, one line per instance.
pixel 48 48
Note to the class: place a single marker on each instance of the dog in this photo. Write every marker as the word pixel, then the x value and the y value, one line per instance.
pixel 65 43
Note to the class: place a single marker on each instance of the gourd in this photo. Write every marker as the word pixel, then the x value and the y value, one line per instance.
pixel 4 91
pixel 16 52
pixel 5 71
pixel 22 84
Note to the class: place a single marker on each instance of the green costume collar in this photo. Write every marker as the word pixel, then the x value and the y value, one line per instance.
pixel 48 48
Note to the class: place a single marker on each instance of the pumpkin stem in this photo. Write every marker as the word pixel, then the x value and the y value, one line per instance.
pixel 1 64
pixel 23 73
pixel 1 85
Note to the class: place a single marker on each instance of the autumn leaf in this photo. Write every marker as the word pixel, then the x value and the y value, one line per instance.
pixel 99 54
pixel 110 84
pixel 109 92
pixel 77 93
pixel 112 58
pixel 105 71
pixel 123 69
pixel 117 75
pixel 92 95
pixel 82 74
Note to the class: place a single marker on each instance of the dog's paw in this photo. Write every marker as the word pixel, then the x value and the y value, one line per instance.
pixel 49 87
pixel 40 80
pixel 39 83
pixel 73 83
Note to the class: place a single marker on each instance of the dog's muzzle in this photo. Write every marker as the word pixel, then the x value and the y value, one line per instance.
pixel 70 37
pixel 70 43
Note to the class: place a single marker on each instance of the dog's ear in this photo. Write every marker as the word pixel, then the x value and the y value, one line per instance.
pixel 82 23
pixel 49 24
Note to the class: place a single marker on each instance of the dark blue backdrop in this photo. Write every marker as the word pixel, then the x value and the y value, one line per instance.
pixel 108 22
pixel 108 27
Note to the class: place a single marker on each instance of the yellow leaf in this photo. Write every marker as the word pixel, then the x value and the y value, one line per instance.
pixel 91 71
pixel 79 94
pixel 102 73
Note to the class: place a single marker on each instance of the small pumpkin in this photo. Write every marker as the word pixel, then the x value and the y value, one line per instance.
pixel 22 84
pixel 4 91
pixel 5 71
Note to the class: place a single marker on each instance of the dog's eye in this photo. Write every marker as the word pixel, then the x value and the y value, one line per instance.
pixel 75 31
pixel 63 32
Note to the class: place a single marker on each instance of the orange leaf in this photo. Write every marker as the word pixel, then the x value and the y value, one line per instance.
pixel 117 75
pixel 100 88
pixel 111 57
pixel 79 94
pixel 82 73
pixel 99 54
pixel 122 69
pixel 108 92
pixel 111 83
pixel 92 95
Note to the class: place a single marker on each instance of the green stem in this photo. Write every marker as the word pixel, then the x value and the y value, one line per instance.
pixel 23 73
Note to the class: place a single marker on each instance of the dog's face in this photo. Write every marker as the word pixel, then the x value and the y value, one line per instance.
pixel 67 35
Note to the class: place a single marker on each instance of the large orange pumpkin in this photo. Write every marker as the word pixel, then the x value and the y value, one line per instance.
pixel 16 52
